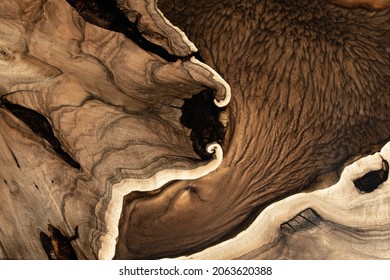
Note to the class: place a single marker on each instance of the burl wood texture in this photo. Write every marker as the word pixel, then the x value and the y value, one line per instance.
pixel 95 161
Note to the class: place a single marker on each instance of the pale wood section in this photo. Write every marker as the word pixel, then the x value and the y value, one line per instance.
pixel 159 29
pixel 113 107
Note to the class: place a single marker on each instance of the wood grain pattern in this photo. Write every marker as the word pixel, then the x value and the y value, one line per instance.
pixel 113 107
pixel 338 222
pixel 101 155
pixel 310 84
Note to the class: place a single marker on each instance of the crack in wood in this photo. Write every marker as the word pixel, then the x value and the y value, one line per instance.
pixel 373 179
pixel 201 115
pixel 47 247
pixel 40 126
pixel 15 159
pixel 305 220
pixel 57 246
pixel 106 14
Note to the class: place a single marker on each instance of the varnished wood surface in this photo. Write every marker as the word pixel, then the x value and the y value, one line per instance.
pixel 338 222
pixel 310 90
pixel 97 160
